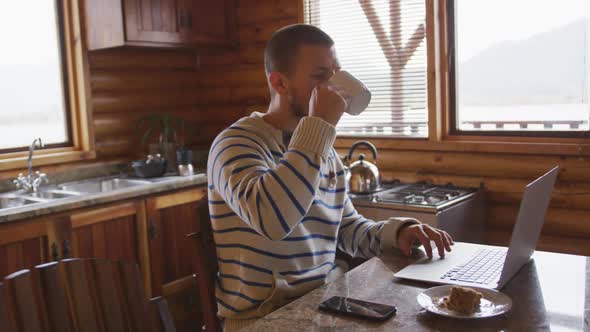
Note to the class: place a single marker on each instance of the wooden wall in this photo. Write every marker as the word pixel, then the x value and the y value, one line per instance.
pixel 130 83
pixel 242 70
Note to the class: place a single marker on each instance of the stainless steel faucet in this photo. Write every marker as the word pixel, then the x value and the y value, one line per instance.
pixel 33 181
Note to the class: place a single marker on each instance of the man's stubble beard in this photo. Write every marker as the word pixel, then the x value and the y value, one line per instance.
pixel 298 110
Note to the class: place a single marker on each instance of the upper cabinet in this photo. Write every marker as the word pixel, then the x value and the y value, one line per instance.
pixel 210 21
pixel 159 23
pixel 162 21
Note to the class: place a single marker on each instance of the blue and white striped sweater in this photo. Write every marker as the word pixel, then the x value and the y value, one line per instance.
pixel 278 213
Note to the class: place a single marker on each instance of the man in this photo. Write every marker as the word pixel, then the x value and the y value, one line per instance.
pixel 277 198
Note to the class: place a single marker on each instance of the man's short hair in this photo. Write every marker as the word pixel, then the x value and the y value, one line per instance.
pixel 283 46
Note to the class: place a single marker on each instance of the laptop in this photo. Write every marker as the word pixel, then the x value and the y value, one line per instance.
pixel 491 266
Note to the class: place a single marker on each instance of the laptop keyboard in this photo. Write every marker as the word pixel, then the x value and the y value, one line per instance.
pixel 485 267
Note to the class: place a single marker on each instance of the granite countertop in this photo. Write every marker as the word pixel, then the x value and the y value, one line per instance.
pixel 156 185
pixel 551 292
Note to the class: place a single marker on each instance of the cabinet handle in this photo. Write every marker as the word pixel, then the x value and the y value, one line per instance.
pixel 54 252
pixel 152 229
pixel 66 249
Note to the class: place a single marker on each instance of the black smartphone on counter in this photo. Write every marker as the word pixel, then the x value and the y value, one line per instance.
pixel 357 308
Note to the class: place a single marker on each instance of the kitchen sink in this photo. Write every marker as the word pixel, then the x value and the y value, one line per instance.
pixel 48 194
pixel 22 198
pixel 101 185
pixel 52 194
pixel 13 201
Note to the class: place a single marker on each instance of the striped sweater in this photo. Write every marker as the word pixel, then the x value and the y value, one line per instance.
pixel 278 213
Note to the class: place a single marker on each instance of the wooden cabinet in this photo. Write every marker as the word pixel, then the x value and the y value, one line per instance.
pixel 115 232
pixel 22 246
pixel 162 23
pixel 210 22
pixel 170 219
pixel 150 231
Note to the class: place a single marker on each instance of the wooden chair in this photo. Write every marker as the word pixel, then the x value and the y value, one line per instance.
pixel 205 268
pixel 80 295
pixel 184 301
pixel 6 322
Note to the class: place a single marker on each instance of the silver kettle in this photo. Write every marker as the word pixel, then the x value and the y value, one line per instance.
pixel 362 176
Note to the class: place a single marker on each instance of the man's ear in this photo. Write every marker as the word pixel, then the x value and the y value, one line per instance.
pixel 278 82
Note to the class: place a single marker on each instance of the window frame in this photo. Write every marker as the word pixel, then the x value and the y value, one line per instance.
pixel 440 136
pixel 77 99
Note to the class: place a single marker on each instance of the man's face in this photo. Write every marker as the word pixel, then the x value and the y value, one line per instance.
pixel 314 64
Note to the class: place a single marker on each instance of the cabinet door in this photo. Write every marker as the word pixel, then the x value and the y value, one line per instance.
pixel 116 232
pixel 210 21
pixel 170 218
pixel 23 245
pixel 157 21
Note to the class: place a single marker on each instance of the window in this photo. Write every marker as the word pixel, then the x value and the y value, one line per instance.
pixel 33 83
pixel 383 44
pixel 44 84
pixel 520 67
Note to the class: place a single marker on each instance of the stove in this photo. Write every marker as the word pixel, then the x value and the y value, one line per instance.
pixel 457 210
pixel 418 196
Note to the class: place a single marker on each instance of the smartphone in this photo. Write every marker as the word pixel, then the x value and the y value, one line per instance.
pixel 357 308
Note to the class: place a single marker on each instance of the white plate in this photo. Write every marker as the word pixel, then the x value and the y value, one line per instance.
pixel 493 303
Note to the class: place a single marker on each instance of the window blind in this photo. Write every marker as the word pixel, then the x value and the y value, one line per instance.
pixel 381 42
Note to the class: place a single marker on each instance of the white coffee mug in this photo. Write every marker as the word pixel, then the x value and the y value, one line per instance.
pixel 360 96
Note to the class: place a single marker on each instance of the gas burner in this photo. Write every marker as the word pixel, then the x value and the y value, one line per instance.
pixel 437 199
pixel 397 197
pixel 414 199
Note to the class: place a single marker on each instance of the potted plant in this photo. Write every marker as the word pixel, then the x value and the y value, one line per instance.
pixel 163 133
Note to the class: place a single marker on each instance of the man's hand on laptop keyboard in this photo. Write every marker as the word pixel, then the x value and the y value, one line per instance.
pixel 423 234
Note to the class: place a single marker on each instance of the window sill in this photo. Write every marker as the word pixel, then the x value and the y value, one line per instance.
pixel 479 144
pixel 18 160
